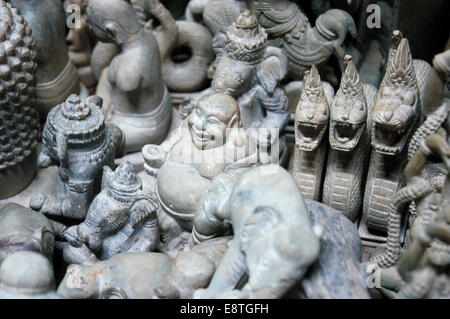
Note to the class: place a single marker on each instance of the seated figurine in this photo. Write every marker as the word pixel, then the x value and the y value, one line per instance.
pixel 250 71
pixel 208 150
pixel 136 97
pixel 119 220
pixel 76 139
pixel 27 275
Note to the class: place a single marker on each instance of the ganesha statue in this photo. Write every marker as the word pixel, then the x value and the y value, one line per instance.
pixel 120 219
pixel 250 70
pixel 77 140
pixel 198 162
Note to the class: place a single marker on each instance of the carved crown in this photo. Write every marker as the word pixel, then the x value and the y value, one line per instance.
pixel 246 39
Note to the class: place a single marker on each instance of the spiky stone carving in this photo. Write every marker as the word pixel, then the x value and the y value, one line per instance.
pixel 19 123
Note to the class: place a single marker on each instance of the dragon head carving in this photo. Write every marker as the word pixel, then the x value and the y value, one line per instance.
pixel 348 111
pixel 311 117
pixel 397 104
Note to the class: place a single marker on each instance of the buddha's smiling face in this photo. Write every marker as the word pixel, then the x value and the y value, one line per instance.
pixel 210 120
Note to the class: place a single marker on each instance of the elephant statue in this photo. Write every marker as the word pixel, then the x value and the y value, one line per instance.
pixel 288 28
pixel 285 246
pixel 250 70
pixel 274 242
pixel 22 229
pixel 145 275
pixel 184 46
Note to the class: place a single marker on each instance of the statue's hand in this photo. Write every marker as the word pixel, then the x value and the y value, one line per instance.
pixel 44 160
pixel 154 157
pixel 72 238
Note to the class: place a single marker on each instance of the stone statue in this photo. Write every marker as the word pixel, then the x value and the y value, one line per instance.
pixel 27 275
pixel 396 114
pixel 136 98
pixel 22 229
pixel 56 75
pixel 349 138
pixel 144 275
pixel 311 123
pixel 420 270
pixel 19 120
pixel 185 48
pixel 120 219
pixel 207 152
pixel 274 242
pixel 250 71
pixel 77 140
pixel 288 28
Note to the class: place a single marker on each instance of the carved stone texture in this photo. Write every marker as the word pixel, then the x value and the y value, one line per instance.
pixel 420 270
pixel 27 275
pixel 304 45
pixel 311 123
pixel 274 242
pixel 349 139
pixel 135 95
pixel 56 76
pixel 76 139
pixel 337 273
pixel 120 219
pixel 22 229
pixel 396 114
pixel 250 71
pixel 145 275
pixel 19 121
pixel 185 48
pixel 197 166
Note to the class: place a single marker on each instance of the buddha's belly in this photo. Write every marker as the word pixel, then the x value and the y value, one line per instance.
pixel 180 189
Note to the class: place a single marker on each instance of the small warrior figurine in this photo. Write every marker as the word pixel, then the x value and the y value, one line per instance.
pixel 135 95
pixel 120 219
pixel 77 140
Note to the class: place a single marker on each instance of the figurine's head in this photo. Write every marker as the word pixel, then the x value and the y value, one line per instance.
pixel 112 20
pixel 311 116
pixel 397 104
pixel 212 119
pixel 248 60
pixel 123 183
pixel 26 274
pixel 75 122
pixel 348 111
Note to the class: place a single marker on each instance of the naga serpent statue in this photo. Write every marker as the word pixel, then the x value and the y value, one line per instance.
pixel 288 28
pixel 396 114
pixel 350 143
pixel 311 122
pixel 19 119
pixel 421 270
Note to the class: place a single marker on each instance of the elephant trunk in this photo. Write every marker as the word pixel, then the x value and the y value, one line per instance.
pixel 418 189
